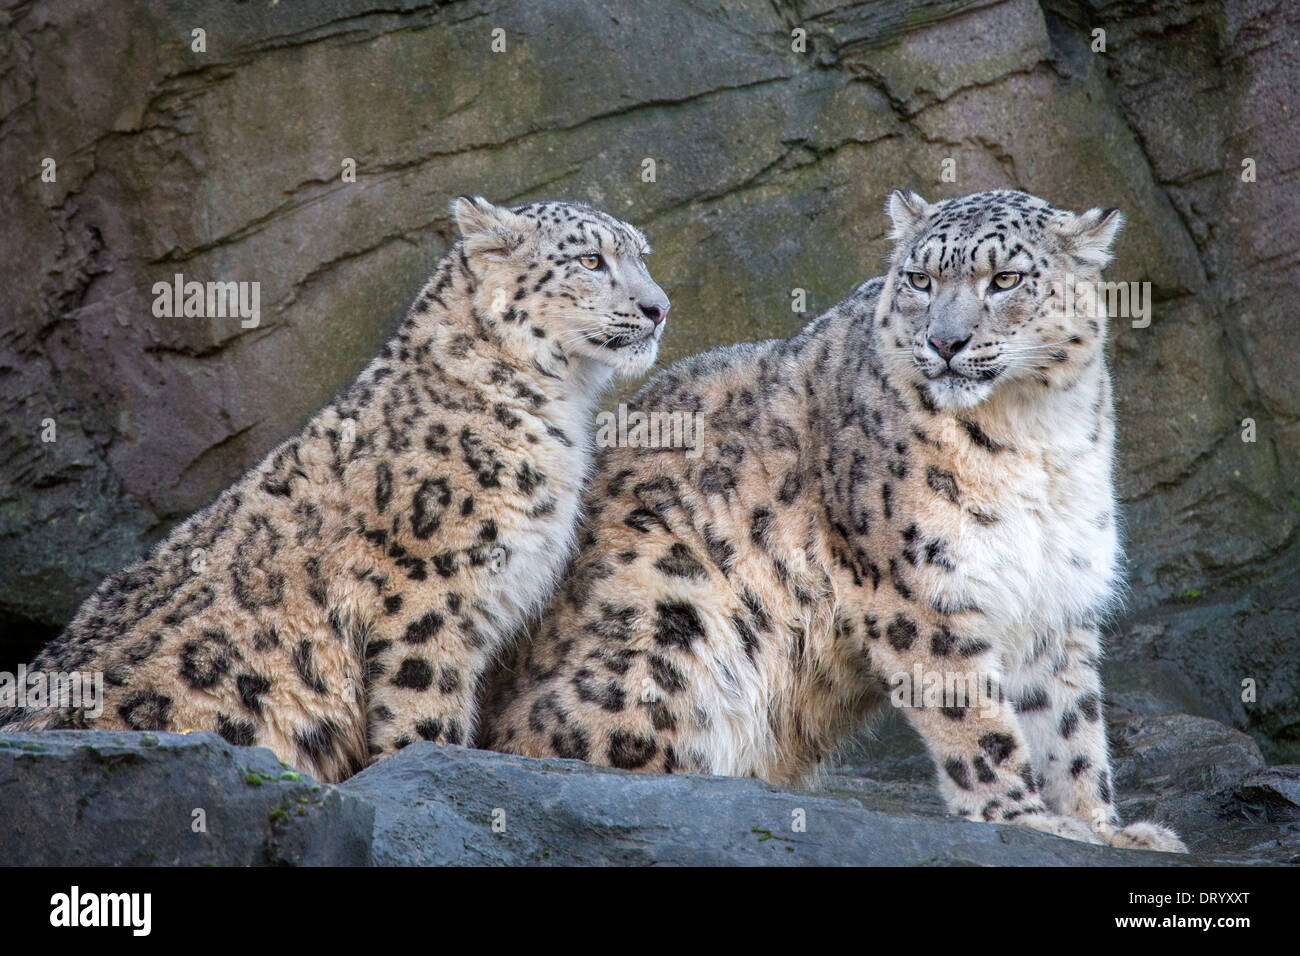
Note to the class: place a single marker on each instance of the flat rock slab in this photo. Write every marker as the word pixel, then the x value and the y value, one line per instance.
pixel 120 799
pixel 105 798
pixel 449 805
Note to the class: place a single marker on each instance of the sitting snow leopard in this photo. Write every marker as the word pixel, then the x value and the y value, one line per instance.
pixel 345 596
pixel 911 498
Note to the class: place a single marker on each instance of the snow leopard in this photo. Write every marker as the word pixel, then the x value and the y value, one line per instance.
pixel 909 503
pixel 345 596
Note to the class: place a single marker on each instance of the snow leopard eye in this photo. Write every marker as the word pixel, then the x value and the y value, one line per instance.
pixel 591 261
pixel 919 281
pixel 1005 281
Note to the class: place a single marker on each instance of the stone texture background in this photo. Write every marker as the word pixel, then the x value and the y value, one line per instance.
pixel 772 169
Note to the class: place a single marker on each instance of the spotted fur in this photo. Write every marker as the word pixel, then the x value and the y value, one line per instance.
pixel 344 597
pixel 863 508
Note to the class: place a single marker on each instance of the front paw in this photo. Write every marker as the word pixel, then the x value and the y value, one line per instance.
pixel 1072 828
pixel 1146 835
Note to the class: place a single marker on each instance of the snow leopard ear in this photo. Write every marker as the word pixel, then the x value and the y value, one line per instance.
pixel 906 210
pixel 1088 236
pixel 488 229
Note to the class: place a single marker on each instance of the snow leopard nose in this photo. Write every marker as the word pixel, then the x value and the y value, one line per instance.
pixel 947 348
pixel 655 312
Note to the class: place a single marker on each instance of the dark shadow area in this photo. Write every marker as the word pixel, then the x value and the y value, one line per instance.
pixel 20 641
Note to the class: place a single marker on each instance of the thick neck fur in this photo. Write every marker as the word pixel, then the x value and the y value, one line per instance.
pixel 866 403
pixel 455 325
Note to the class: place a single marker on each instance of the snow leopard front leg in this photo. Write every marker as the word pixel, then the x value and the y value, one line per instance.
pixel 421 675
pixel 948 686
pixel 1057 695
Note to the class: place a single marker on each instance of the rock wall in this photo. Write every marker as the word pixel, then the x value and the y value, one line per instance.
pixel 771 166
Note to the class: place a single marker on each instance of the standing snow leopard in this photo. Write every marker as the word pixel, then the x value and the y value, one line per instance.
pixel 345 596
pixel 911 498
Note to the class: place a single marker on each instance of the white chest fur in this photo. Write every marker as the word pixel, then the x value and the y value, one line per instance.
pixel 540 547
pixel 1035 547
pixel 540 541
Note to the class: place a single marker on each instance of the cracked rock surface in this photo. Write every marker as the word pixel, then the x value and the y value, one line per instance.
pixel 99 798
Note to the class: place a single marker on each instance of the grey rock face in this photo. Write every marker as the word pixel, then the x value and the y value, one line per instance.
pixel 1234 657
pixel 437 806
pixel 1208 782
pixel 1274 793
pixel 98 798
pixel 103 798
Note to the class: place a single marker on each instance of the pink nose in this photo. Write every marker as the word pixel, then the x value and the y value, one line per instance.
pixel 656 314
pixel 947 348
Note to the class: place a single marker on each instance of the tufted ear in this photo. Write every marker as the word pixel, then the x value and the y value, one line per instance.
pixel 488 229
pixel 1088 236
pixel 906 210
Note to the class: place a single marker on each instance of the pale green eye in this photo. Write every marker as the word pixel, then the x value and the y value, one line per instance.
pixel 919 281
pixel 1006 280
